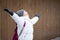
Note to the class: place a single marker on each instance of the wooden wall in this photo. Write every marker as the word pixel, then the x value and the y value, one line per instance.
pixel 46 28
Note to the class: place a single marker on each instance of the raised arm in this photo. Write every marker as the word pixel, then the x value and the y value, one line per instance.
pixel 35 19
pixel 12 14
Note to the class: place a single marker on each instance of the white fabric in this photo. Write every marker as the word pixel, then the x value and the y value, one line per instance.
pixel 34 20
pixel 27 33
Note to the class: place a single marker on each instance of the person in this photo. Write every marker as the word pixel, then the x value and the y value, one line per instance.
pixel 21 17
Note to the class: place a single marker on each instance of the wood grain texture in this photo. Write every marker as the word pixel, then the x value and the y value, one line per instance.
pixel 0 25
pixel 46 28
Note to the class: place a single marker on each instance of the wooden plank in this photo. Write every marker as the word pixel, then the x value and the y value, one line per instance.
pixel 4 21
pixel 0 19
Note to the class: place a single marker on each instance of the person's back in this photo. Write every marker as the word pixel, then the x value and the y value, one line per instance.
pixel 27 33
pixel 24 24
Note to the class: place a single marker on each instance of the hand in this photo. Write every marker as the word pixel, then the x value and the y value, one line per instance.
pixel 9 11
pixel 38 15
pixel 6 9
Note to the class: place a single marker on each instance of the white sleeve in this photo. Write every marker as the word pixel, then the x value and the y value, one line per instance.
pixel 18 20
pixel 34 20
pixel 15 17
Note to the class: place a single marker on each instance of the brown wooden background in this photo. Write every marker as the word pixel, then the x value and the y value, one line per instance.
pixel 46 28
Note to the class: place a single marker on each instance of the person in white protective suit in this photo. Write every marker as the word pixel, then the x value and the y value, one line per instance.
pixel 24 23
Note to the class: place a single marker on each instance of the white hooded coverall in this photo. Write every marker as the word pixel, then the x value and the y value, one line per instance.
pixel 27 33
